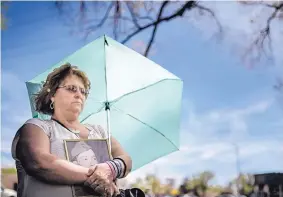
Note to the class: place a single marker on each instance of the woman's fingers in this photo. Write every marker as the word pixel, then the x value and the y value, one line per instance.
pixel 100 183
pixel 89 180
pixel 97 187
pixel 91 170
pixel 105 190
pixel 93 177
pixel 116 190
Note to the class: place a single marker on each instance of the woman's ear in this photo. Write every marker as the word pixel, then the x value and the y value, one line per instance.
pixel 52 98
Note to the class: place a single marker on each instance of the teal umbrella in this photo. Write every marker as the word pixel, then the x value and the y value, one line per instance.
pixel 139 99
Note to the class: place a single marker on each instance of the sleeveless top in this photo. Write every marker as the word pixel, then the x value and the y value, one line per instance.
pixel 28 186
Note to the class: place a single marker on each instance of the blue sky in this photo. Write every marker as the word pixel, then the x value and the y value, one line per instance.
pixel 224 102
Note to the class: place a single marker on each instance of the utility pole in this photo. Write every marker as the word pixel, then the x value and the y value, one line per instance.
pixel 238 170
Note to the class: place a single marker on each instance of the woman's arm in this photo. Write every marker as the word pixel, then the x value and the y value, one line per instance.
pixel 117 151
pixel 33 150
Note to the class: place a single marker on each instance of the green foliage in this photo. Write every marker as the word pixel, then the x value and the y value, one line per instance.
pixel 3 15
pixel 200 181
pixel 8 170
pixel 245 182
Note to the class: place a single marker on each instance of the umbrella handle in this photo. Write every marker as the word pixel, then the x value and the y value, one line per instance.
pixel 108 126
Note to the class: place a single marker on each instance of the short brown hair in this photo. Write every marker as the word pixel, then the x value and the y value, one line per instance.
pixel 54 79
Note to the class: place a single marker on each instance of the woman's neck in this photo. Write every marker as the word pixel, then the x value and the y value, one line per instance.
pixel 72 123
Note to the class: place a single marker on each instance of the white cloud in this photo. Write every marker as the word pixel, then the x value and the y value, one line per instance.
pixel 7 162
pixel 6 146
pixel 220 158
pixel 204 147
pixel 14 112
pixel 228 124
pixel 15 108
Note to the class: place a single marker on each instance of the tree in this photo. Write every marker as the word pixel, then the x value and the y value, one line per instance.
pixel 139 183
pixel 168 187
pixel 199 182
pixel 262 43
pixel 3 16
pixel 245 183
pixel 130 18
pixel 8 171
pixel 153 183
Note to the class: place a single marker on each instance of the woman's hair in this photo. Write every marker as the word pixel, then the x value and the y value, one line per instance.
pixel 53 81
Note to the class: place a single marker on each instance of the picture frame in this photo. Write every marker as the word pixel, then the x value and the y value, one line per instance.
pixel 86 153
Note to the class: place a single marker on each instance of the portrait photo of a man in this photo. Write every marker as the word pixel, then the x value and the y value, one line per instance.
pixel 86 153
pixel 83 155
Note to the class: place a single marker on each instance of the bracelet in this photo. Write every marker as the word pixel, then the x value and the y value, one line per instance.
pixel 112 170
pixel 118 166
pixel 114 167
pixel 124 166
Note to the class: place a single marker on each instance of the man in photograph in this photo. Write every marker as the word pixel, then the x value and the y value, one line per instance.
pixel 83 155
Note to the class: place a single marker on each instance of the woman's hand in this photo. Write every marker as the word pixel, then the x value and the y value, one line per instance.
pixel 100 179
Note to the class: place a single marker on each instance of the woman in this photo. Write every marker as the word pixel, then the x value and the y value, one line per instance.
pixel 43 170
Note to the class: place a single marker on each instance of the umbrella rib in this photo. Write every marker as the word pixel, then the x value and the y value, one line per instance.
pixel 95 100
pixel 146 125
pixel 99 110
pixel 119 98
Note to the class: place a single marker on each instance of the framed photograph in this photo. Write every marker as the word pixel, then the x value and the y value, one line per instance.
pixel 86 153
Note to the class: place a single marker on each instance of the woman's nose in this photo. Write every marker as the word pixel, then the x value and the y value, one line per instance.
pixel 78 94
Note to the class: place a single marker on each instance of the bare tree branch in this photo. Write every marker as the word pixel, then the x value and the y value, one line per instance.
pixel 116 18
pixel 149 9
pixel 264 34
pixel 212 14
pixel 136 20
pixel 279 85
pixel 94 27
pixel 178 13
pixel 129 5
pixel 155 27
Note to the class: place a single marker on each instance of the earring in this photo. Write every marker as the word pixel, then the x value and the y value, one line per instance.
pixel 52 105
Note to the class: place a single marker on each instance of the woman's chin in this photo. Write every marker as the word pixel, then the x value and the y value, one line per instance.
pixel 76 111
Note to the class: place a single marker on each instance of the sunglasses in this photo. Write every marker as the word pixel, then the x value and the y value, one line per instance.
pixel 74 89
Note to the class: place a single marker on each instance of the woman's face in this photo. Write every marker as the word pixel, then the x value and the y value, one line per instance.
pixel 69 96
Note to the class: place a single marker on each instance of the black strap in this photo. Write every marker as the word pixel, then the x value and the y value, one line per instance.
pixel 61 124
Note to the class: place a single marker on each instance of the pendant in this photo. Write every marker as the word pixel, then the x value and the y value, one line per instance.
pixel 76 131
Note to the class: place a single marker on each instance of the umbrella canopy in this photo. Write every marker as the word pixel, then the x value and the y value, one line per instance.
pixel 138 98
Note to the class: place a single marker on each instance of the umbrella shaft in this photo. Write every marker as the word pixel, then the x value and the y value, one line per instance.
pixel 108 127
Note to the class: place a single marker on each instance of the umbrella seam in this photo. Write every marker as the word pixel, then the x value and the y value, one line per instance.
pixel 93 113
pixel 127 94
pixel 146 125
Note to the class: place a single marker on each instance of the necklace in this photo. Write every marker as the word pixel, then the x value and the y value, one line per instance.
pixel 72 130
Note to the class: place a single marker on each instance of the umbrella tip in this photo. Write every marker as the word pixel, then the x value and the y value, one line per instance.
pixel 105 40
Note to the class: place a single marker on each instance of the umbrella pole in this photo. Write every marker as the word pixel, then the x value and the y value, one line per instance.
pixel 107 108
